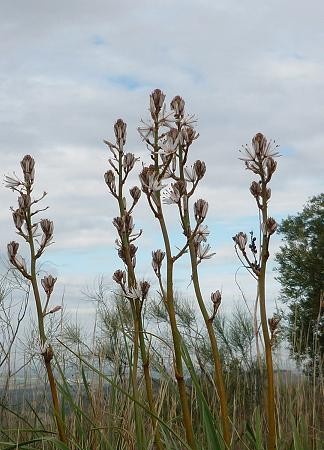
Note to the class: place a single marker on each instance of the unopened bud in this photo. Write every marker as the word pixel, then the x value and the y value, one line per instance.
pixel 120 132
pixel 145 286
pixel 255 189
pixel 24 201
pixel 135 193
pixel 157 258
pixel 216 298
pixel 12 248
pixel 259 143
pixel 18 218
pixel 240 240
pixel 200 209
pixel 128 162
pixel 47 227
pixel 189 134
pixel 48 284
pixel 177 105
pixel 271 225
pixel 118 223
pixel 28 168
pixel 119 277
pixel 271 166
pixel 156 102
pixel 110 180
pixel 200 169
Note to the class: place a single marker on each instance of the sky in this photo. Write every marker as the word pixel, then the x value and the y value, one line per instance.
pixel 68 70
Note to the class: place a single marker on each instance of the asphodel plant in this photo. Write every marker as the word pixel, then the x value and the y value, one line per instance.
pixel 260 159
pixel 38 234
pixel 170 180
pixel 122 163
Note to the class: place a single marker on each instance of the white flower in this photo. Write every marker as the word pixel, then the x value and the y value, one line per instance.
pixel 169 147
pixel 203 252
pixel 146 131
pixel 134 293
pixel 153 184
pixel 12 182
pixel 172 195
pixel 201 234
pixel 190 174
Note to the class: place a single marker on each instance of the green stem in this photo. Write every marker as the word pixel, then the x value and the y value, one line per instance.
pixel 139 342
pixel 218 372
pixel 264 324
pixel 169 300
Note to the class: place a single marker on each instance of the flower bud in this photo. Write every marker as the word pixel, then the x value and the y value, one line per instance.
pixel 255 189
pixel 157 258
pixel 28 168
pixel 156 102
pixel 189 134
pixel 119 277
pixel 110 180
pixel 118 223
pixel 18 218
pixel 120 132
pixel 12 248
pixel 200 169
pixel 271 225
pixel 145 286
pixel 48 284
pixel 260 144
pixel 271 166
pixel 129 224
pixel 216 298
pixel 128 162
pixel 24 201
pixel 135 193
pixel 200 210
pixel 177 105
pixel 240 240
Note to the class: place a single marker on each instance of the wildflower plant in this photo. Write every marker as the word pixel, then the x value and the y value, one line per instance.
pixel 38 234
pixel 135 291
pixel 169 180
pixel 260 159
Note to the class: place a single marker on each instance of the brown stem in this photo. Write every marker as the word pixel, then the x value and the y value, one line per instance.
pixel 41 329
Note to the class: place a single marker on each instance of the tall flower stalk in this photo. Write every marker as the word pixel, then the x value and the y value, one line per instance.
pixel 31 230
pixel 260 159
pixel 135 291
pixel 186 181
pixel 162 141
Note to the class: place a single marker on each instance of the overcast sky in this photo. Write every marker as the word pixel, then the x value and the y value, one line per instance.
pixel 69 69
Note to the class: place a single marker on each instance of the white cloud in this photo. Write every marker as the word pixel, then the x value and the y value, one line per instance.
pixel 70 69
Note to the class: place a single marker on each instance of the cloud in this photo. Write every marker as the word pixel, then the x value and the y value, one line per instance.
pixel 70 69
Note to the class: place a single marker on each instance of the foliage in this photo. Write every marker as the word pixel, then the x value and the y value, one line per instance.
pixel 301 274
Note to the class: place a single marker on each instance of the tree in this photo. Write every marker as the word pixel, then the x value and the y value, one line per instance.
pixel 301 274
